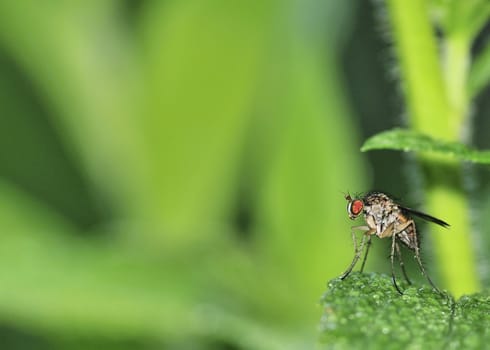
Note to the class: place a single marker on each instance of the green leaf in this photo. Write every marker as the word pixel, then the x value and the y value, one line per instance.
pixel 471 322
pixel 407 140
pixel 479 75
pixel 454 16
pixel 366 310
pixel 106 288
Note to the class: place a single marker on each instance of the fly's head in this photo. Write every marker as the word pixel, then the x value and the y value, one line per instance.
pixel 355 206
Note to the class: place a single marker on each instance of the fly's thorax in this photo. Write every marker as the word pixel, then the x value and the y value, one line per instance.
pixel 380 213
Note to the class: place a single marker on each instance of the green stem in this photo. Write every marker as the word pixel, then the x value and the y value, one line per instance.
pixel 457 59
pixel 438 106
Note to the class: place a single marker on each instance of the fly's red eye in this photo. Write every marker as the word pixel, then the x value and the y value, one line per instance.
pixel 356 207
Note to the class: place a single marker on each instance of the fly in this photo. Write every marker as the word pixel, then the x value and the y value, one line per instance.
pixel 386 218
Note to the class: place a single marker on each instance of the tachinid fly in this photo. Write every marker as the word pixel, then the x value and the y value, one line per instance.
pixel 386 218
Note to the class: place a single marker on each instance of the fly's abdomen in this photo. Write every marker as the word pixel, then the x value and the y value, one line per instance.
pixel 407 236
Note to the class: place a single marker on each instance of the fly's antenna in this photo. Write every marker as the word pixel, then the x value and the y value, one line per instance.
pixel 346 195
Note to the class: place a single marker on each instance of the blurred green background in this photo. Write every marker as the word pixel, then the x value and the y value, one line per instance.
pixel 172 172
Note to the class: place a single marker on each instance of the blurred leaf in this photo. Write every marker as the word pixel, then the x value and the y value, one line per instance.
pixel 482 233
pixel 461 17
pixel 162 133
pixel 407 140
pixel 65 285
pixel 365 311
pixel 32 153
pixel 83 66
pixel 301 121
pixel 479 75
pixel 202 64
pixel 94 285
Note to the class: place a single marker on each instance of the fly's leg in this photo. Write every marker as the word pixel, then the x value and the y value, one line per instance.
pixel 399 229
pixel 354 261
pixel 357 251
pixel 421 266
pixel 392 258
pixel 368 244
pixel 402 265
pixel 390 231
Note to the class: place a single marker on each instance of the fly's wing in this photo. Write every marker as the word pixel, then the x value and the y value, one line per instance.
pixel 426 217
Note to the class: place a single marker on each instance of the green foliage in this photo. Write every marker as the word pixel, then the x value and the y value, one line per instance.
pixel 408 140
pixel 470 326
pixel 438 88
pixel 171 171
pixel 479 76
pixel 462 17
pixel 365 311
pixel 195 137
